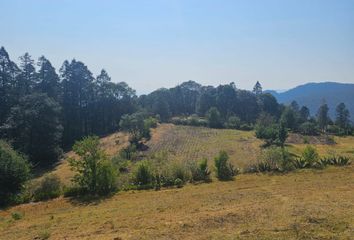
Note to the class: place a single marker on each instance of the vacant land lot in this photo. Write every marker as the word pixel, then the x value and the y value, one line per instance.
pixel 194 143
pixel 307 204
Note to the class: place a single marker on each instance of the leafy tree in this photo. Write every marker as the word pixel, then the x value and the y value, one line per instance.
pixel 206 100
pixel 143 174
pixel 308 128
pixel 268 103
pixel 304 114
pixel 137 125
pixel 224 169
pixel 214 118
pixel 14 172
pixel 34 127
pixel 342 116
pixel 289 118
pixel 233 122
pixel 282 134
pixel 94 175
pixel 322 117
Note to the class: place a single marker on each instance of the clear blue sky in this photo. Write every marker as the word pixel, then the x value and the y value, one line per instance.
pixel 151 44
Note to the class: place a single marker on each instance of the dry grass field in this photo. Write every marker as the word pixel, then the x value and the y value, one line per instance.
pixel 305 204
pixel 308 204
pixel 194 143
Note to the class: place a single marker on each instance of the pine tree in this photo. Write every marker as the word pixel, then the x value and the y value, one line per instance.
pixel 8 74
pixel 48 79
pixel 342 116
pixel 322 117
pixel 28 77
pixel 257 89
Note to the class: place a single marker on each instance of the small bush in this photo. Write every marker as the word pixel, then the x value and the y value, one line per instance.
pixel 200 171
pixel 16 215
pixel 48 188
pixel 233 122
pixel 310 155
pixel 73 191
pixel 224 169
pixel 143 174
pixel 276 159
pixel 246 127
pixel 123 165
pixel 129 153
pixel 178 183
pixel 106 178
pixel 174 170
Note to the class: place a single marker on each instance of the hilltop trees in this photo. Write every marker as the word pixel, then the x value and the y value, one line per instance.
pixel 41 111
pixel 34 127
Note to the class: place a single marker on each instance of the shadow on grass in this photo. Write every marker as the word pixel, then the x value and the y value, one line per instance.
pixel 89 200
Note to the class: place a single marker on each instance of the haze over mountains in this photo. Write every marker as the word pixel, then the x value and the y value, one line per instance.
pixel 313 95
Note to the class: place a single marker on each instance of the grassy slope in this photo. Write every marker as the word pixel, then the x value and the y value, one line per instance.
pixel 305 204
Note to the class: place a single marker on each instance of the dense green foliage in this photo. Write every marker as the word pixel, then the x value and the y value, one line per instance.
pixel 94 174
pixel 48 188
pixel 14 172
pixel 42 111
pixel 224 169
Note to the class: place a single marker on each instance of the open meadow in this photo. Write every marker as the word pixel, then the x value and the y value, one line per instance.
pixel 305 204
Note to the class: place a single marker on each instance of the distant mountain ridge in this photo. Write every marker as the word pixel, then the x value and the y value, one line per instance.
pixel 312 95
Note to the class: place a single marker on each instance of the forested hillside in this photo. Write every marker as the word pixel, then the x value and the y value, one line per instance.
pixel 313 95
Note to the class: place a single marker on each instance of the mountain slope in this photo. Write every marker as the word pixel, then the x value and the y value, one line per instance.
pixel 313 95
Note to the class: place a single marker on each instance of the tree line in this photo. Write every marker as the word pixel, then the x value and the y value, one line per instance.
pixel 43 110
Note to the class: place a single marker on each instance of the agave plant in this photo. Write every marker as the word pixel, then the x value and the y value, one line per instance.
pixel 300 163
pixel 264 166
pixel 342 161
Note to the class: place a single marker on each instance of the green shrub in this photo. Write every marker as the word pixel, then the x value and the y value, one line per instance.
pixel 200 171
pixel 214 118
pixel 178 183
pixel 94 175
pixel 16 215
pixel 174 170
pixel 14 172
pixel 233 122
pixel 246 127
pixel 123 165
pixel 310 155
pixel 49 188
pixel 309 128
pixel 224 169
pixel 129 153
pixel 143 174
pixel 276 159
pixel 106 178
